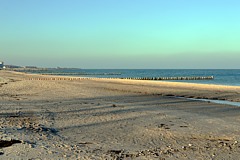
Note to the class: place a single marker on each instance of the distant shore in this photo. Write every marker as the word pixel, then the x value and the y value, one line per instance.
pixel 116 119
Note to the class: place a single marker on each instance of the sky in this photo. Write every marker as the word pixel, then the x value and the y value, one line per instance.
pixel 134 34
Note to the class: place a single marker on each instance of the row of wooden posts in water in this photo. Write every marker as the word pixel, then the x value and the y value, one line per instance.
pixel 83 74
pixel 130 78
pixel 171 78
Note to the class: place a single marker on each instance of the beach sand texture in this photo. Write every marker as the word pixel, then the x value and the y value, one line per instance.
pixel 115 119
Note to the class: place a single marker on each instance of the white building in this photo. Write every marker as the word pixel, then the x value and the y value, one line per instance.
pixel 1 64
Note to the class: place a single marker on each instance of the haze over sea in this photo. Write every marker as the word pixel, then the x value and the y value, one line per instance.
pixel 221 76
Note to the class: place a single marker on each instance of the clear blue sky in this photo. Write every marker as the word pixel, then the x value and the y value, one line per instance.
pixel 121 33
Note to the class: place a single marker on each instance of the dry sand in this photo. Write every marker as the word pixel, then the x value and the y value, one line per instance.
pixel 115 119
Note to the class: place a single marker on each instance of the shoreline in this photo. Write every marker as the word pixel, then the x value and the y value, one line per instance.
pixel 219 92
pixel 222 77
pixel 116 119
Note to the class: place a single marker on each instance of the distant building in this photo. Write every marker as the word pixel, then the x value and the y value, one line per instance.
pixel 30 67
pixel 11 66
pixel 1 64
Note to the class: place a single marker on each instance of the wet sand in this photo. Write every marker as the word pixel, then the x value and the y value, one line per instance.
pixel 116 119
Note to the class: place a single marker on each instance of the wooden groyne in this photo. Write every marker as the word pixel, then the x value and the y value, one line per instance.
pixel 171 78
pixel 130 78
pixel 57 79
pixel 59 74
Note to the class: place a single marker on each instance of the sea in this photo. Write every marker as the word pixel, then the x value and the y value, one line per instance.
pixel 221 76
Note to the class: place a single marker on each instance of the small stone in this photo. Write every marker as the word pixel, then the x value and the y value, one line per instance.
pixel 235 142
pixel 189 144
pixel 184 147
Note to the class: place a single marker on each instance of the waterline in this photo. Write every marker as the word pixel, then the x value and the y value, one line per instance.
pixel 215 101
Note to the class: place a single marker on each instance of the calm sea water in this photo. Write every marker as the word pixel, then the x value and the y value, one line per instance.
pixel 221 76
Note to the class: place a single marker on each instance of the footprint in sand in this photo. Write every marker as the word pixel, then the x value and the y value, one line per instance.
pixel 183 126
pixel 165 126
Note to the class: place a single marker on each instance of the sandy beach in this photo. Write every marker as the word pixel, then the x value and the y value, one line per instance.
pixel 116 119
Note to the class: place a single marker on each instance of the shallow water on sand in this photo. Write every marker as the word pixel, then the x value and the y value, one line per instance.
pixel 214 101
pixel 218 101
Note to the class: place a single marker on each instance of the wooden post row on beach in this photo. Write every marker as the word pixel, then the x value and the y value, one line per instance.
pixel 171 78
pixel 133 78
